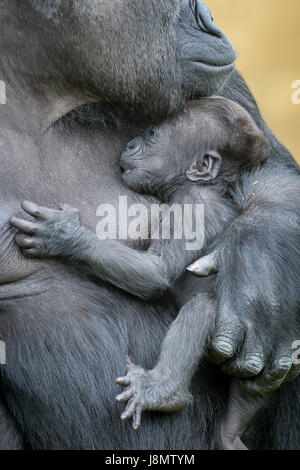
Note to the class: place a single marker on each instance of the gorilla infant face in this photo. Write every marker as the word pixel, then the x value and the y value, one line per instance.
pixel 212 139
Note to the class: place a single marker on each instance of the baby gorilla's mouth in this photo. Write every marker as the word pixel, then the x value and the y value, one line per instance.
pixel 126 171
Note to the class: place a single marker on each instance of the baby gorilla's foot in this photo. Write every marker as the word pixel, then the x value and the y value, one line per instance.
pixel 147 390
pixel 49 234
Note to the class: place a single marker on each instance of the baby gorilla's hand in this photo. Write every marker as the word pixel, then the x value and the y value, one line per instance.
pixel 147 390
pixel 49 234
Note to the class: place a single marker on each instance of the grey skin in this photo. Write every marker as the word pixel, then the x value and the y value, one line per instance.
pixel 190 159
pixel 55 57
pixel 67 334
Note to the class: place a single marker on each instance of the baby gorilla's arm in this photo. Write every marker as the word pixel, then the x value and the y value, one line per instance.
pixel 166 387
pixel 58 233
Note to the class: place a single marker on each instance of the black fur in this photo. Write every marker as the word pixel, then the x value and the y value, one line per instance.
pixel 68 335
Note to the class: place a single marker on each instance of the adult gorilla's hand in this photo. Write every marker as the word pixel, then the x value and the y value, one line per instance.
pixel 257 266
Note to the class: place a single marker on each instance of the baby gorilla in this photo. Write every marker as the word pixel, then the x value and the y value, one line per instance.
pixel 191 159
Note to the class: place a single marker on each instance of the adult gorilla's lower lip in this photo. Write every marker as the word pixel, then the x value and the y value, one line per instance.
pixel 206 79
pixel 126 172
pixel 214 67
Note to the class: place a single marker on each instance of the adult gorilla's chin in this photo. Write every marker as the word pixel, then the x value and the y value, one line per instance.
pixel 207 55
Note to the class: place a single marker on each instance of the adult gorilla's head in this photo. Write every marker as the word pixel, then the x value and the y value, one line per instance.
pixel 149 55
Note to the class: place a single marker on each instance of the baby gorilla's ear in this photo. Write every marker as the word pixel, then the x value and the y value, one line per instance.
pixel 206 168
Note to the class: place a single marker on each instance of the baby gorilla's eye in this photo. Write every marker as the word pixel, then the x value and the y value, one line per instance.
pixel 152 132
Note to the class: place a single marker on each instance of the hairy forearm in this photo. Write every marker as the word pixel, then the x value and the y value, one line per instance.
pixel 141 274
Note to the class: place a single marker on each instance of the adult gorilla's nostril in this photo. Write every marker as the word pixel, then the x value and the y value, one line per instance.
pixel 204 18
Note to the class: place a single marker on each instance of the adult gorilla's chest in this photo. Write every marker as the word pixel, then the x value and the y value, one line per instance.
pixel 67 334
pixel 76 166
pixel 81 168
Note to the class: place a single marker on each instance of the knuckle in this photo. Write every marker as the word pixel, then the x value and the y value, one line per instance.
pixel 37 212
pixel 43 227
pixel 253 364
pixel 228 323
pixel 284 364
pixel 223 346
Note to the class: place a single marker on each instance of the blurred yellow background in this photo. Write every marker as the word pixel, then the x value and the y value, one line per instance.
pixel 266 36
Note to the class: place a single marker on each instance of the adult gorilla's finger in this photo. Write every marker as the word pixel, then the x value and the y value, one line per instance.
pixel 205 266
pixel 295 367
pixel 228 335
pixel 293 373
pixel 271 379
pixel 246 367
pixel 248 363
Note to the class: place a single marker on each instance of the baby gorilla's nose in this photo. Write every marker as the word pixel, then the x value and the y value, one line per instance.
pixel 132 147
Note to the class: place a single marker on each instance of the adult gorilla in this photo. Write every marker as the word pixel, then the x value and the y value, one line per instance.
pixel 67 334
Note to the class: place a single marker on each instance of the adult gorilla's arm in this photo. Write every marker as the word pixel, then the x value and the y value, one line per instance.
pixel 257 260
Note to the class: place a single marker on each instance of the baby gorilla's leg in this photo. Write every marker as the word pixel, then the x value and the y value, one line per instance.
pixel 241 409
pixel 166 387
pixel 149 390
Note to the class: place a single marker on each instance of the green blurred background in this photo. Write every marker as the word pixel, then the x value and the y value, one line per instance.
pixel 266 35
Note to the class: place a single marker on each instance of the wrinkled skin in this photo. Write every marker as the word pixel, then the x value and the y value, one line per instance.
pixel 67 335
